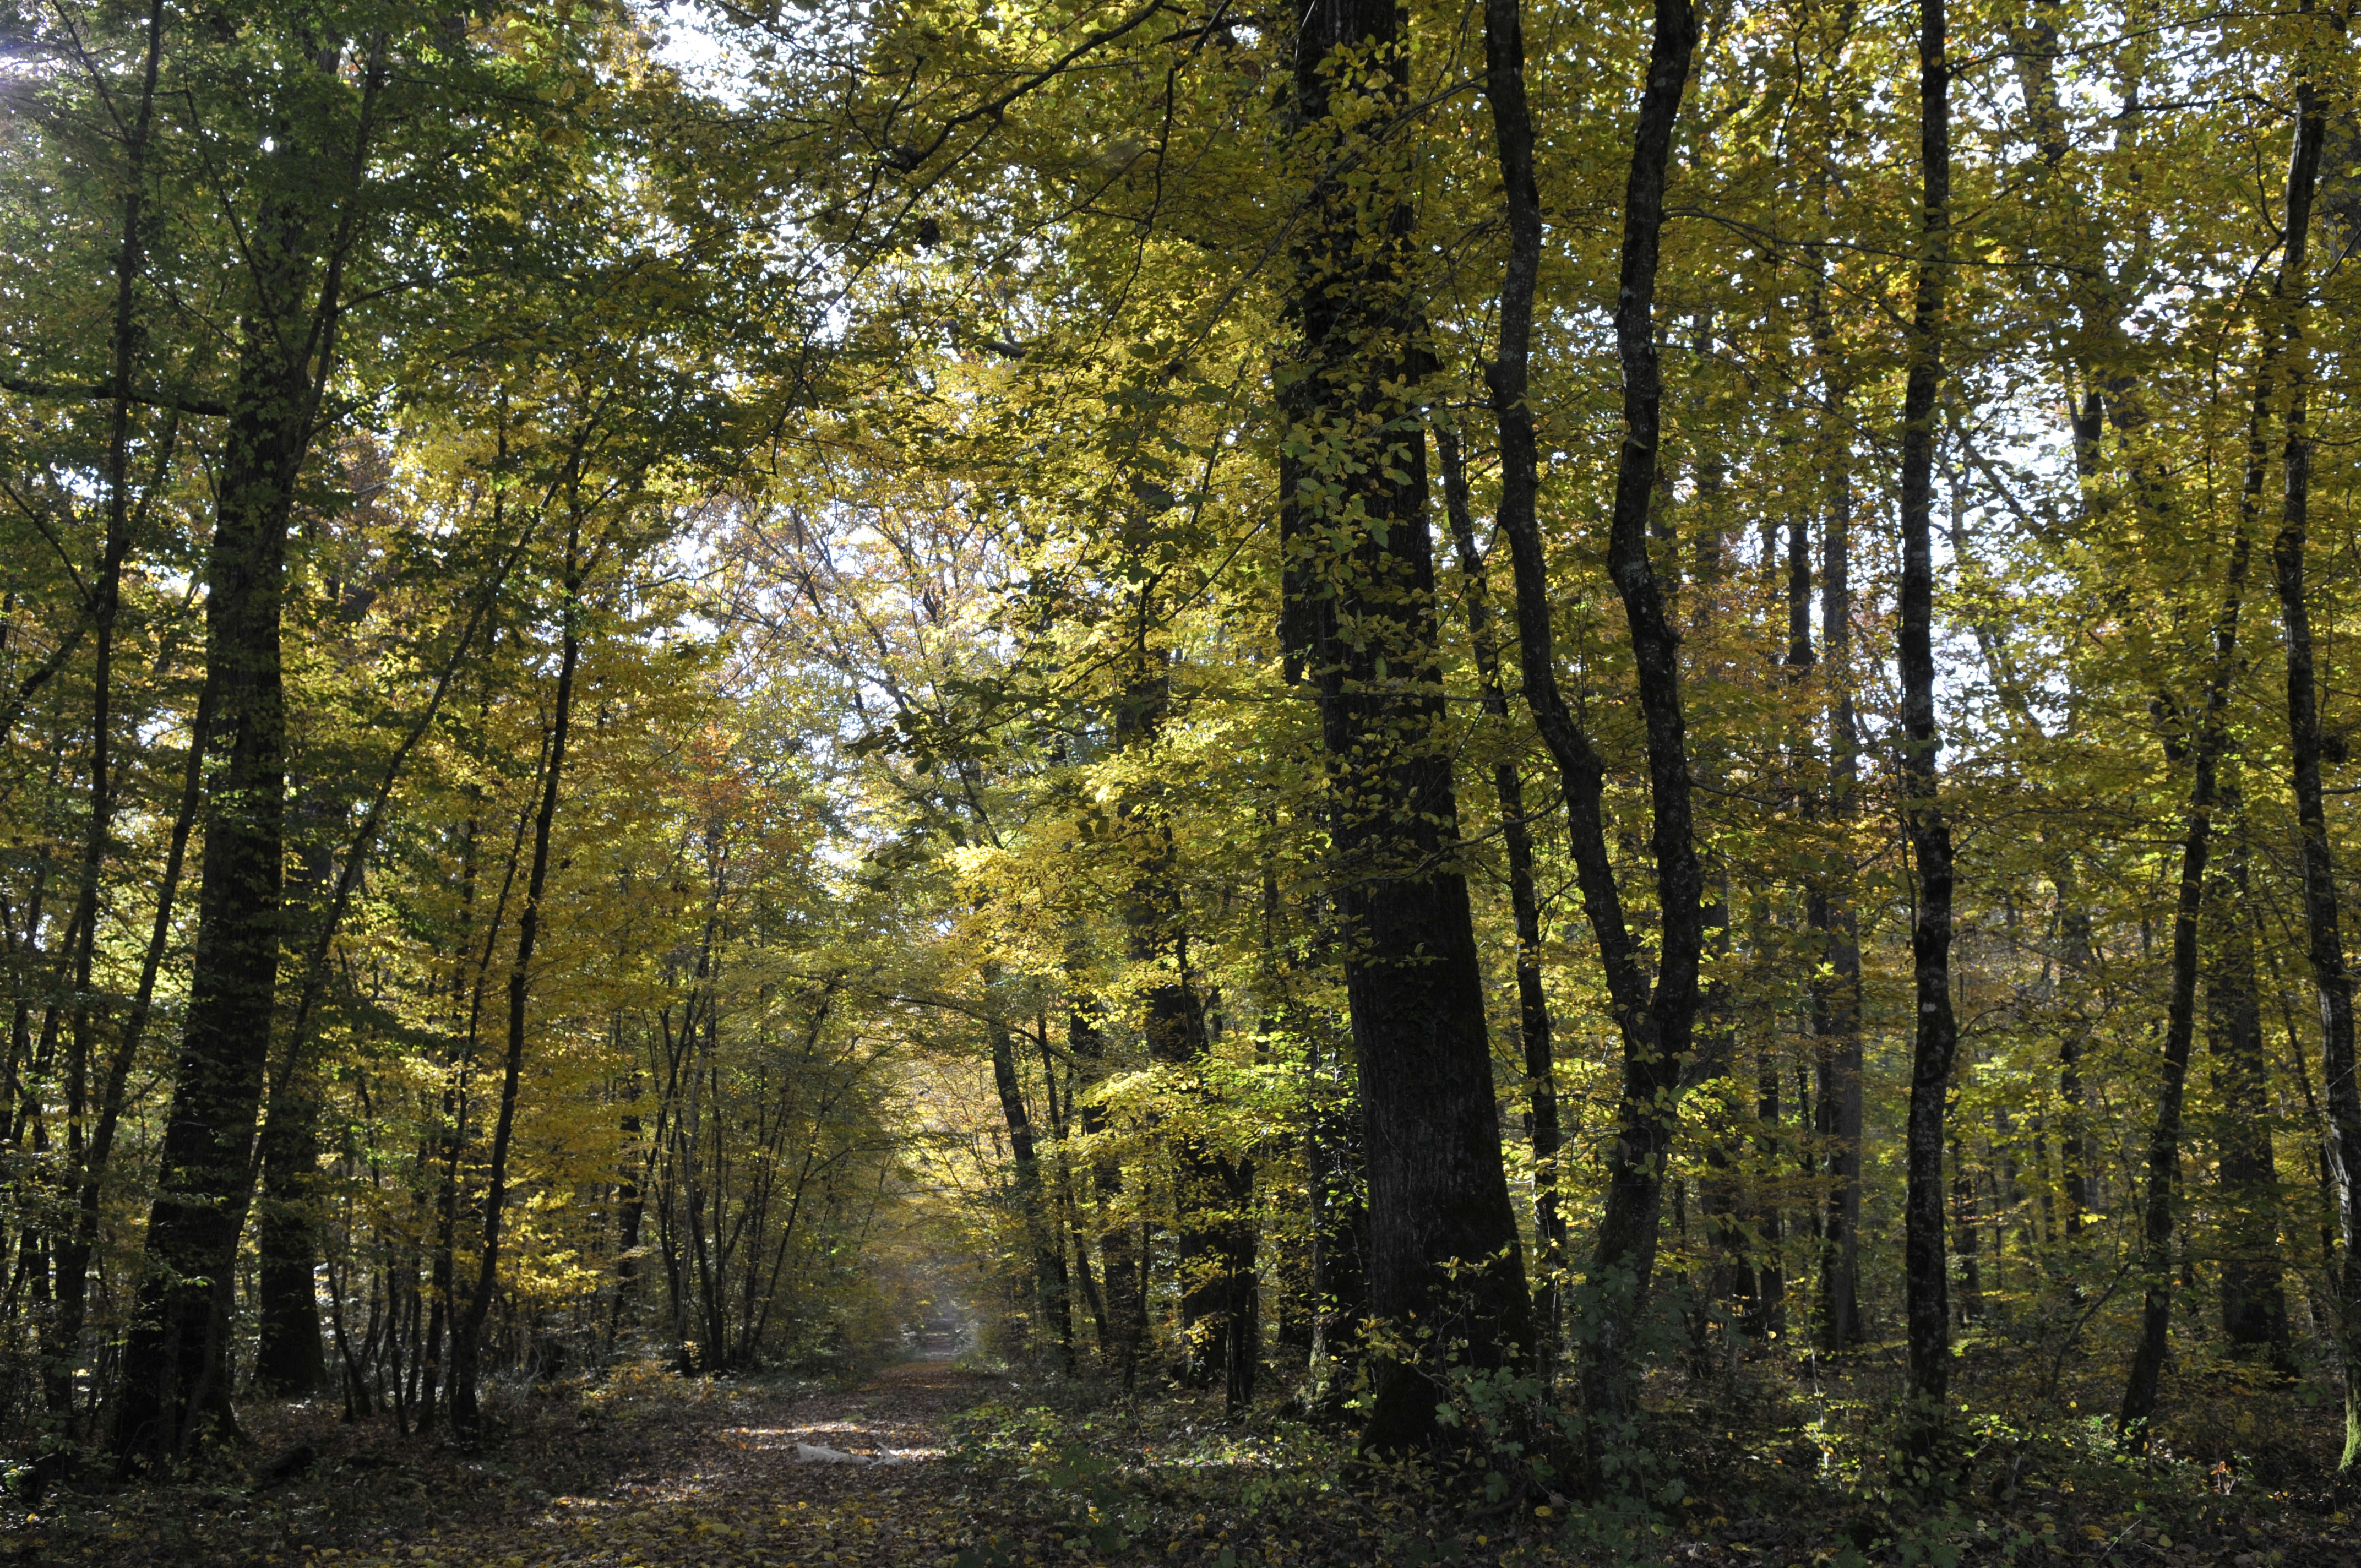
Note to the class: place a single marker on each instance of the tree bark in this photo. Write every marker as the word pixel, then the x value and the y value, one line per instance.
pixel 172 1362
pixel 2180 1011
pixel 1657 1021
pixel 1534 1030
pixel 1360 581
pixel 288 1358
pixel 62 1346
pixel 2323 945
pixel 1051 1289
pixel 1828 914
pixel 2253 1302
pixel 468 1331
pixel 1936 1039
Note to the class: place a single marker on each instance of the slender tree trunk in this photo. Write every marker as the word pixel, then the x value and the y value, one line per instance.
pixel 630 1194
pixel 1068 1220
pixel 466 1338
pixel 1173 1020
pixel 1118 1344
pixel 471 974
pixel 1657 1020
pixel 1964 1238
pixel 2077 954
pixel 1340 1223
pixel 2181 1013
pixel 1730 1288
pixel 1770 1238
pixel 1829 912
pixel 97 1158
pixel 63 1338
pixel 289 1359
pixel 1516 839
pixel 2332 981
pixel 1936 1042
pixel 2254 1303
pixel 1051 1289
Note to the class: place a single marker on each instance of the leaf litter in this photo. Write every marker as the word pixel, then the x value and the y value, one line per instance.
pixel 927 1465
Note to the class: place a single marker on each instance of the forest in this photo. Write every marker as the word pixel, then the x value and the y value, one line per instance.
pixel 1390 783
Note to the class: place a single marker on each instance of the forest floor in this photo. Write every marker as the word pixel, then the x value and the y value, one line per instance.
pixel 926 1464
pixel 645 1470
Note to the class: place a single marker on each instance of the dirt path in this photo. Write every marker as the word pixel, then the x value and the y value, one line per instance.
pixel 651 1471
pixel 757 1484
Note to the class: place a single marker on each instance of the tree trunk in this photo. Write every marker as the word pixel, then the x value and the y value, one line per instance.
pixel 63 1336
pixel 173 1361
pixel 2076 1162
pixel 1965 1243
pixel 2180 1011
pixel 201 1203
pixel 471 974
pixel 1340 1225
pixel 1081 1044
pixel 1516 839
pixel 1769 1316
pixel 1173 1020
pixel 1118 1268
pixel 1051 1290
pixel 2254 1303
pixel 289 1359
pixel 2332 981
pixel 1656 1022
pixel 1936 1041
pixel 467 1331
pixel 1360 576
pixel 1828 898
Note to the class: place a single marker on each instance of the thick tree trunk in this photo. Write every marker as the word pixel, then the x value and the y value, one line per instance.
pixel 1657 1022
pixel 2324 950
pixel 201 1205
pixel 173 1361
pixel 1360 573
pixel 1936 1042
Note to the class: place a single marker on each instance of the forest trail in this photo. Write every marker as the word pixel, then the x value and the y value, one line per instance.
pixel 800 1479
pixel 651 1472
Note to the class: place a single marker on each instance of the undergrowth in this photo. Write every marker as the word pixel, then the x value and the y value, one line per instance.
pixel 1768 1462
